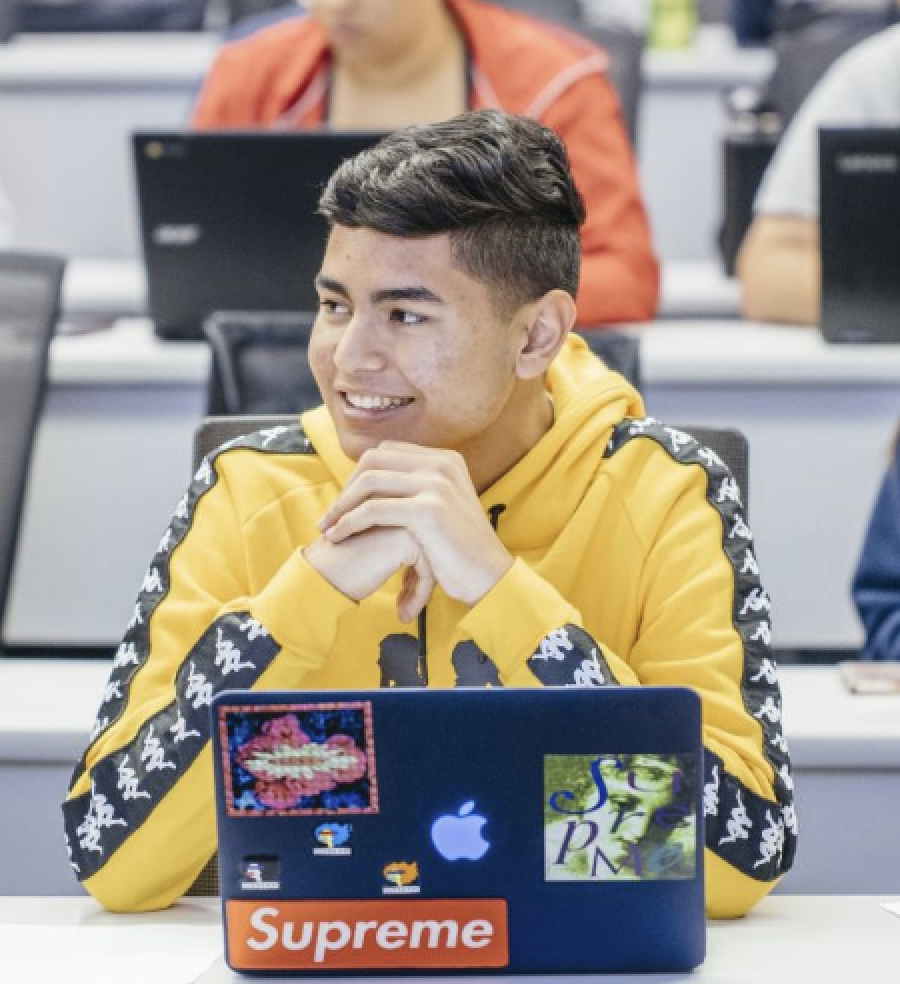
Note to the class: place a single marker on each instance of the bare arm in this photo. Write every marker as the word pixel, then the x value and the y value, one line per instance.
pixel 779 268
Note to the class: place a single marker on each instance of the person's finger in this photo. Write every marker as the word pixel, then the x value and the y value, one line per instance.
pixel 411 513
pixel 372 485
pixel 418 586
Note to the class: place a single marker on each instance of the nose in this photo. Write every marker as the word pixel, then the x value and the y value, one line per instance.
pixel 359 348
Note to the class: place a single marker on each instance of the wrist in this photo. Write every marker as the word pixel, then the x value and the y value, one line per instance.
pixel 321 556
pixel 487 579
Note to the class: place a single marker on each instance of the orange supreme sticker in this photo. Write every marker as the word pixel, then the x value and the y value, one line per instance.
pixel 360 935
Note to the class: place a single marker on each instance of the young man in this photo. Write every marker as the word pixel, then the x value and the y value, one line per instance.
pixel 382 64
pixel 478 502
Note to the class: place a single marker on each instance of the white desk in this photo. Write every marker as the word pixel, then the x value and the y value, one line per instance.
pixel 785 940
pixel 113 458
pixel 68 104
pixel 846 753
pixel 53 940
pixel 107 288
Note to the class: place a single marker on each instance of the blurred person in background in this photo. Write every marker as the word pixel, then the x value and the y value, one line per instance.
pixel 382 64
pixel 779 264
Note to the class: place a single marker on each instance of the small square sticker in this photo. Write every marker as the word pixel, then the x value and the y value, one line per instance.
pixel 260 874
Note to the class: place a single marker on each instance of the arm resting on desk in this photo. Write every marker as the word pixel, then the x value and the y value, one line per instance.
pixel 703 623
pixel 139 816
pixel 779 270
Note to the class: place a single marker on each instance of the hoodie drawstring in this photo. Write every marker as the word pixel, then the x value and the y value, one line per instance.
pixel 494 513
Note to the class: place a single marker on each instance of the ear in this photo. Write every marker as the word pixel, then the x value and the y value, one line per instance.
pixel 548 320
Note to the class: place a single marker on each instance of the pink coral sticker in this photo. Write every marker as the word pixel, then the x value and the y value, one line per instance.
pixel 299 759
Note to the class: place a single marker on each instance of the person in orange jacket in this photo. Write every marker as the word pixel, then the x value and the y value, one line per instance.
pixel 382 64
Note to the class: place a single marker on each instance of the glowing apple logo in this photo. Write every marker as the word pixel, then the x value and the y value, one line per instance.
pixel 459 837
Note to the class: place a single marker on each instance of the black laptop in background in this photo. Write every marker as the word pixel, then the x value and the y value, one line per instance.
pixel 859 170
pixel 228 220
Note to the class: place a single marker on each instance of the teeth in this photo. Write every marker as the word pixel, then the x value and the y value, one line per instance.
pixel 374 402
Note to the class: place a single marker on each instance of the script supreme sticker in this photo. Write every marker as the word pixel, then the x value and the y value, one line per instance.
pixel 367 934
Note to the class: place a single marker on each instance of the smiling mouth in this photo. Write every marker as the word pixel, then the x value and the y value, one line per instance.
pixel 374 404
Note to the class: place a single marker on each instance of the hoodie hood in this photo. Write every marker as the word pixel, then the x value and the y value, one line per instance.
pixel 544 488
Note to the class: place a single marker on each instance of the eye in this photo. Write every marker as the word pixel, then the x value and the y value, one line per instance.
pixel 406 317
pixel 333 308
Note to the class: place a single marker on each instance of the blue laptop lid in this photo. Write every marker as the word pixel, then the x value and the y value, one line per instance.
pixel 484 830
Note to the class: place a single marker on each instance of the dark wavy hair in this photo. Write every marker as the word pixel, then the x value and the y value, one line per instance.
pixel 499 185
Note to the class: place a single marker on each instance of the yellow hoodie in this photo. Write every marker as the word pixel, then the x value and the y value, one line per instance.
pixel 633 566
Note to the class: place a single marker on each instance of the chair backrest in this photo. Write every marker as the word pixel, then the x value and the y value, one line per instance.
pixel 731 446
pixel 213 432
pixel 9 19
pixel 238 10
pixel 111 15
pixel 621 353
pixel 29 298
pixel 244 20
pixel 728 443
pixel 259 363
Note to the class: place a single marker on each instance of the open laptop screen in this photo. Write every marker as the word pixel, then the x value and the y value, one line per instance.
pixel 229 223
pixel 860 203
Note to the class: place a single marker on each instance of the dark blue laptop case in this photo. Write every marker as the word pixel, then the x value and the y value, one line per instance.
pixel 540 767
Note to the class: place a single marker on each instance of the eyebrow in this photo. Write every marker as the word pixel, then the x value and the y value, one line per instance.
pixel 380 296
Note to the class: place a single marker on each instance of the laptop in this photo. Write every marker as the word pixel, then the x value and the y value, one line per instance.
pixel 228 220
pixel 468 831
pixel 860 205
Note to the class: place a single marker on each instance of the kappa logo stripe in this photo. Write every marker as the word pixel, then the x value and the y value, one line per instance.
pixel 758 836
pixel 367 934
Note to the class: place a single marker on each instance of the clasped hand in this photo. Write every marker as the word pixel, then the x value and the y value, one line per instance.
pixel 415 508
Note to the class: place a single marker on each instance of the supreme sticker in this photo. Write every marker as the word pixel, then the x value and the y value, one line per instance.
pixel 361 935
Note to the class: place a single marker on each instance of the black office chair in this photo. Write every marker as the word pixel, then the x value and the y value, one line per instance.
pixel 728 443
pixel 10 14
pixel 29 298
pixel 621 353
pixel 76 16
pixel 259 363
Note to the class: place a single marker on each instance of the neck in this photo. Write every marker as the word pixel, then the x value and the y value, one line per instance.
pixel 526 419
pixel 432 41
